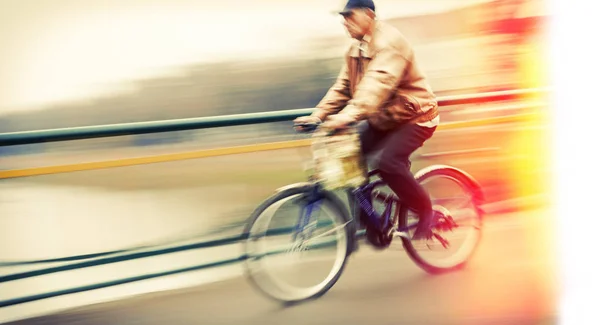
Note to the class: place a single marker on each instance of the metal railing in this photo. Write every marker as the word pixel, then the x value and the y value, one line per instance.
pixel 102 131
pixel 90 260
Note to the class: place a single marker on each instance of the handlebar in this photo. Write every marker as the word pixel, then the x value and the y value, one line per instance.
pixel 308 127
pixel 311 127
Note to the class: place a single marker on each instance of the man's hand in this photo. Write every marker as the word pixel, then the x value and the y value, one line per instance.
pixel 305 120
pixel 338 121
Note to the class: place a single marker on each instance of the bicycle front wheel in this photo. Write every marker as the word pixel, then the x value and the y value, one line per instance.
pixel 298 243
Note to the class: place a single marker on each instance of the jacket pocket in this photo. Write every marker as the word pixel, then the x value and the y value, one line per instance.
pixel 410 103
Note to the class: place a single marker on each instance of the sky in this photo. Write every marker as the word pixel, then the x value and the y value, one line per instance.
pixel 60 50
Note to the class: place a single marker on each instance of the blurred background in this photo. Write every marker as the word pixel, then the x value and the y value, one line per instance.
pixel 68 63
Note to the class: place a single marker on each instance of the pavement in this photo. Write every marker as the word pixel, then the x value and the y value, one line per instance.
pixel 510 280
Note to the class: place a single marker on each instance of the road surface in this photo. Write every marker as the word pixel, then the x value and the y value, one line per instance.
pixel 511 280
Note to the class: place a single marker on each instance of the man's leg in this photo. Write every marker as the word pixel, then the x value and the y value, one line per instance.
pixel 394 167
pixel 370 138
pixel 370 141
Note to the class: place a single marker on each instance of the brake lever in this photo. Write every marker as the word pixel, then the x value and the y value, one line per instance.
pixel 313 126
pixel 307 127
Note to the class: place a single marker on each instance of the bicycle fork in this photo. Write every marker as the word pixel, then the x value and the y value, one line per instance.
pixel 305 227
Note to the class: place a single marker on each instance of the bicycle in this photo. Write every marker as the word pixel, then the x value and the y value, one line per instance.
pixel 380 229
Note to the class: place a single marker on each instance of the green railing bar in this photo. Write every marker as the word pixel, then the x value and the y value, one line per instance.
pixel 120 258
pixel 63 259
pixel 75 258
pixel 100 131
pixel 22 300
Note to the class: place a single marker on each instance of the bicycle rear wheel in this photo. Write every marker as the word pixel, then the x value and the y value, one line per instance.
pixel 456 200
pixel 298 244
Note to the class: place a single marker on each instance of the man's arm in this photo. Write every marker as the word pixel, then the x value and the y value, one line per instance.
pixel 337 97
pixel 384 73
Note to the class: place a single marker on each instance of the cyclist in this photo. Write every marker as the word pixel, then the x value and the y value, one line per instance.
pixel 381 86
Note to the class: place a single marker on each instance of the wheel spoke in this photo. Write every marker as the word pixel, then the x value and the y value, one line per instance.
pixel 326 233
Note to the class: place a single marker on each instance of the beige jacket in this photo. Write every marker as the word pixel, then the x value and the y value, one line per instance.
pixel 381 83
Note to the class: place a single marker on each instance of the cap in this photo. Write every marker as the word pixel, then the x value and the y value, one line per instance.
pixel 357 4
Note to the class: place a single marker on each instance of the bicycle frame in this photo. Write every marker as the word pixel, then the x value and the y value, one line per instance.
pixel 359 201
pixel 360 198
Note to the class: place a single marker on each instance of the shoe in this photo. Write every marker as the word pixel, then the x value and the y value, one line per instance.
pixel 424 227
pixel 422 234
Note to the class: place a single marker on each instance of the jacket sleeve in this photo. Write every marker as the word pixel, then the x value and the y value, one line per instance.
pixel 383 75
pixel 337 97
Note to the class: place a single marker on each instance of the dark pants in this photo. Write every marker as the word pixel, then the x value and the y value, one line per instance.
pixel 396 147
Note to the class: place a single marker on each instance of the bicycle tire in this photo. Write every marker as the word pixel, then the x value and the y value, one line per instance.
pixel 340 212
pixel 474 189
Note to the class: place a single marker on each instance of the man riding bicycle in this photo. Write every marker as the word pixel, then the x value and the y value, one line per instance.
pixel 381 85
